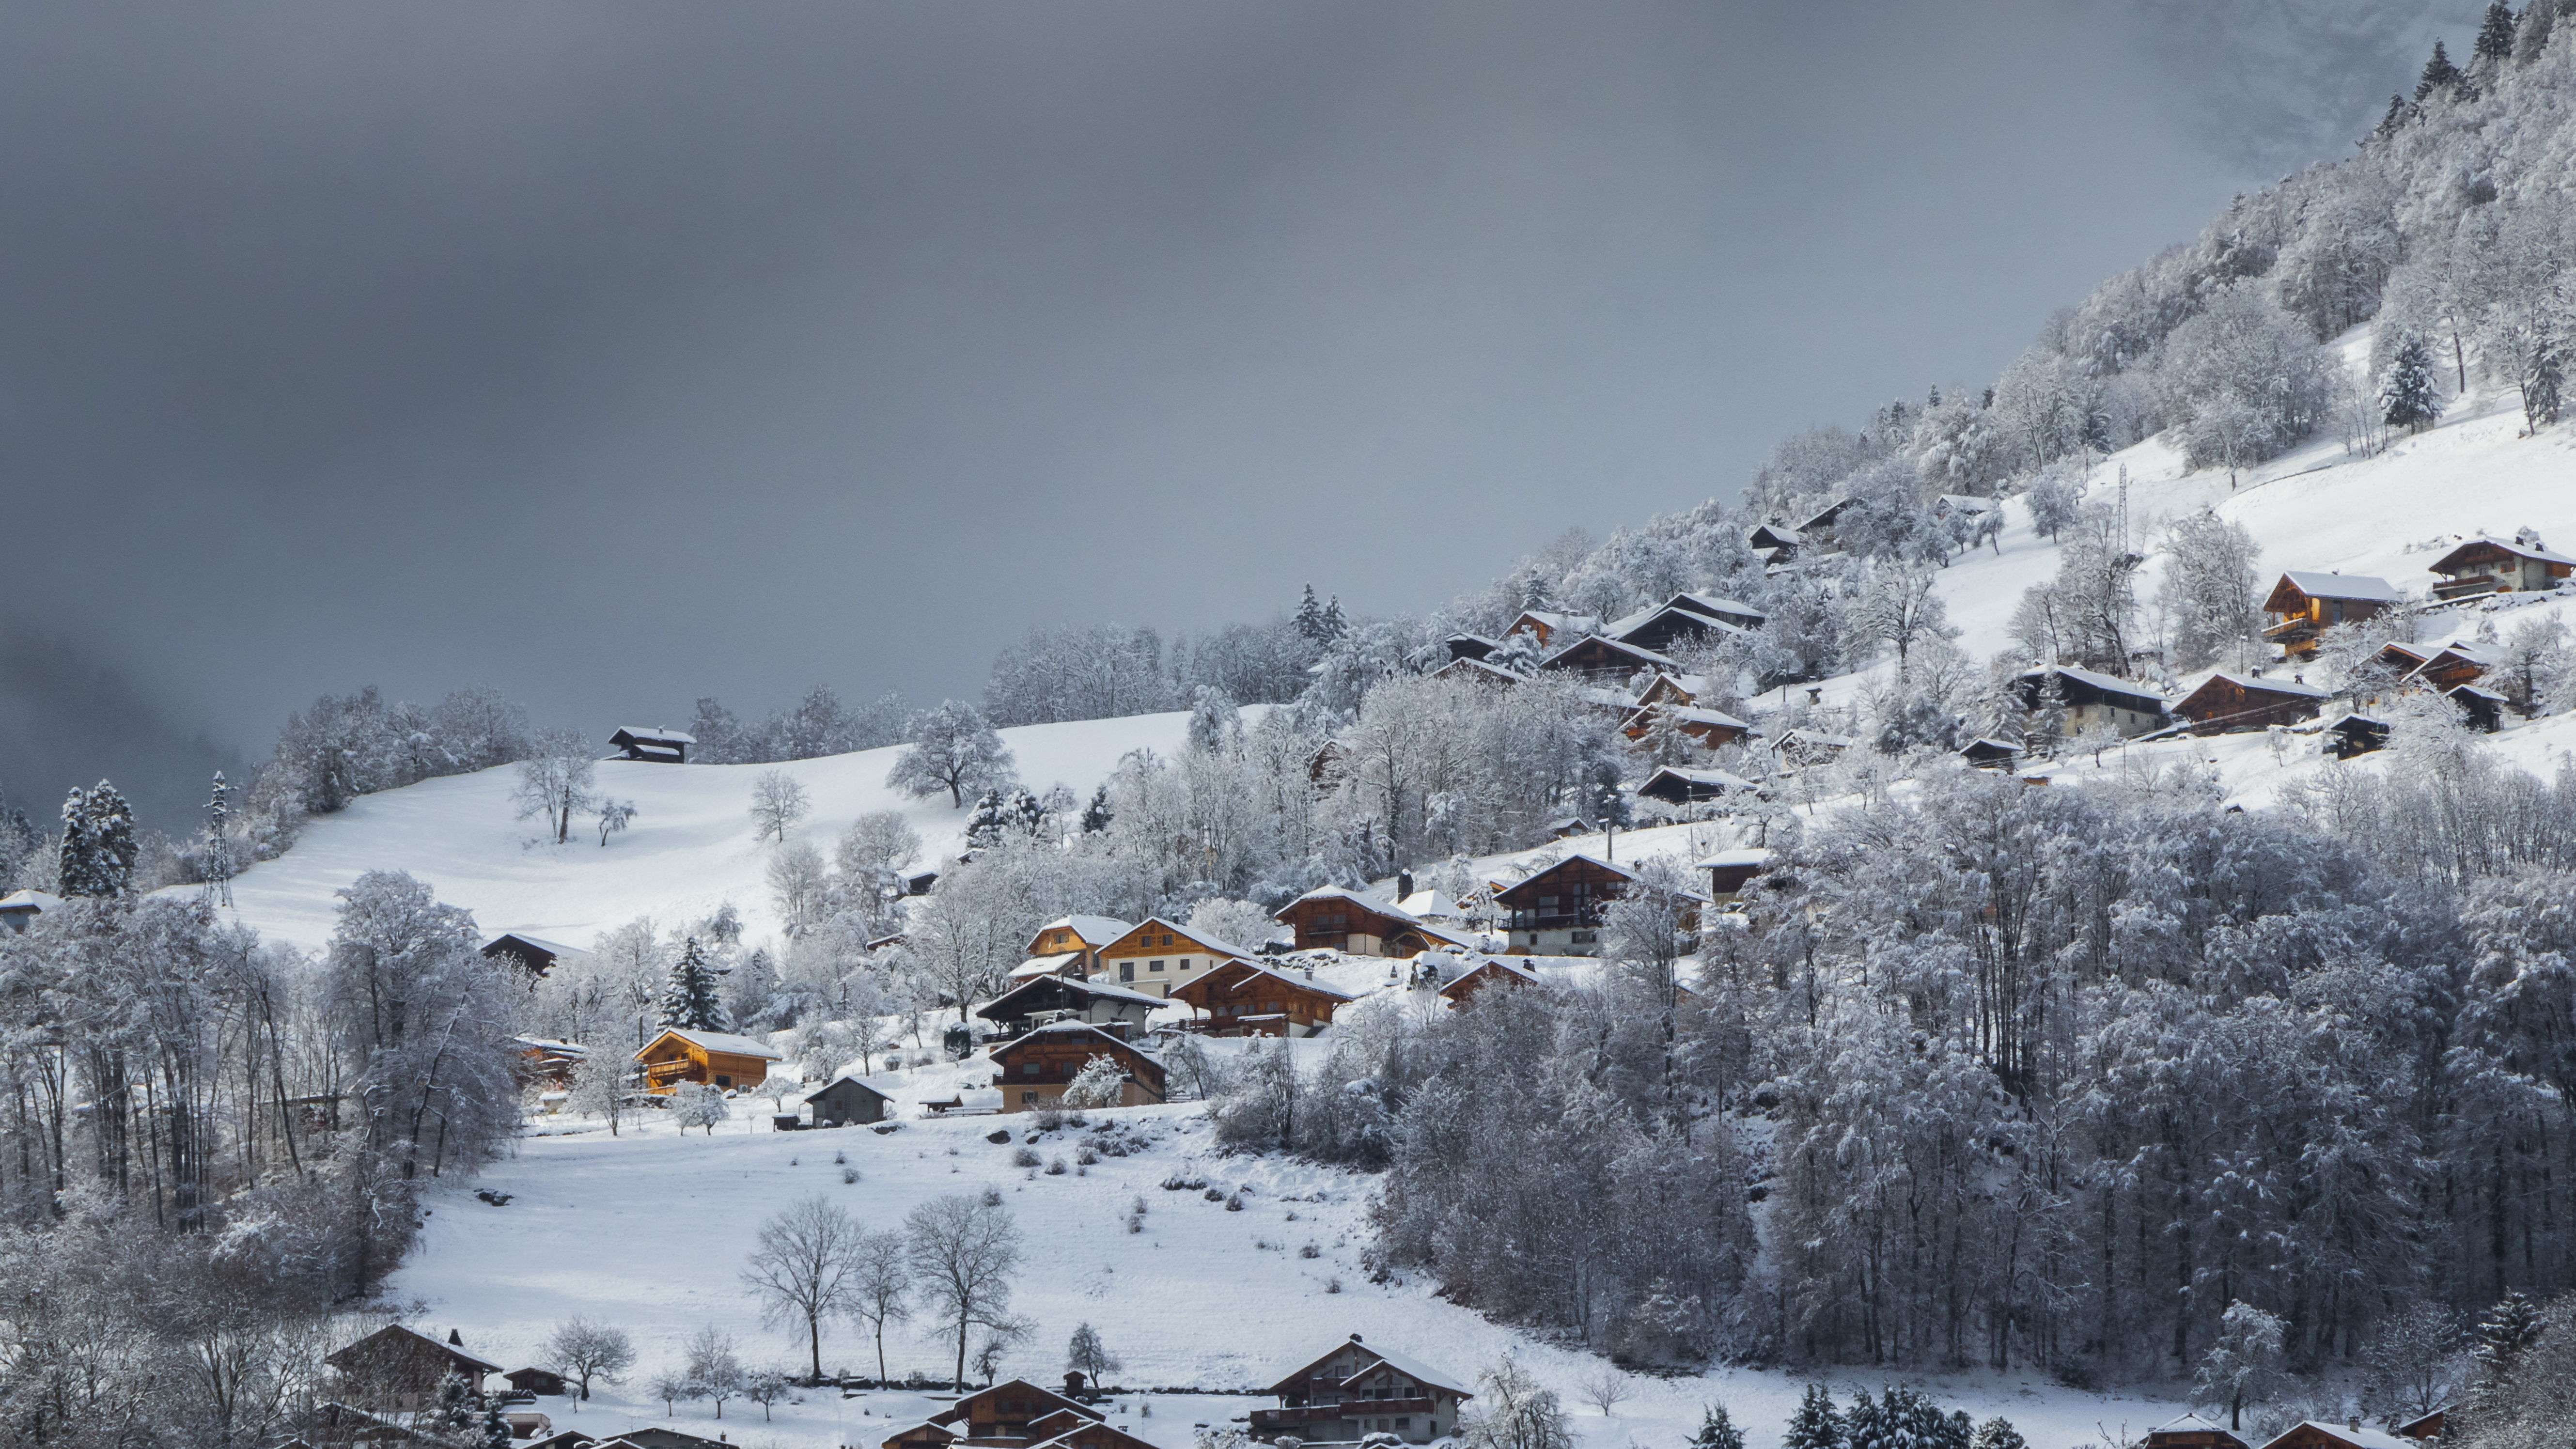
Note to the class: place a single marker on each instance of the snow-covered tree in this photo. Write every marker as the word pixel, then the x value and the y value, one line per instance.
pixel 689 999
pixel 1100 1083
pixel 1513 1412
pixel 98 847
pixel 963 1252
pixel 2213 599
pixel 1815 1424
pixel 614 816
pixel 1716 1430
pixel 599 1086
pixel 584 1350
pixel 2407 396
pixel 778 802
pixel 952 749
pixel 698 1104
pixel 555 780
pixel 1083 1353
pixel 2243 1363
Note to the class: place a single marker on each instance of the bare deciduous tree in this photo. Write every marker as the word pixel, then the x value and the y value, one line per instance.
pixel 962 1251
pixel 583 1349
pixel 807 1264
pixel 555 779
pixel 777 803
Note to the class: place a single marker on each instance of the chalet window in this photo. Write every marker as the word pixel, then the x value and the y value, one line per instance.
pixel 1157 966
pixel 1403 1421
pixel 1028 1096
pixel 1028 1069
pixel 724 1081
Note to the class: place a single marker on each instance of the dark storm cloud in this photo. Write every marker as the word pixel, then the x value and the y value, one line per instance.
pixel 618 354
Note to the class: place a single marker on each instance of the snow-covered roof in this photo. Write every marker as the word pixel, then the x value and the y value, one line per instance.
pixel 552 948
pixel 1713 779
pixel 853 1078
pixel 29 900
pixel 2341 586
pixel 1693 714
pixel 1664 662
pixel 1413 1368
pixel 1804 736
pixel 660 736
pixel 1200 938
pixel 2364 1437
pixel 1094 930
pixel 2109 684
pixel 1578 623
pixel 1433 902
pixel 1258 969
pixel 721 1041
pixel 1037 966
pixel 1735 859
pixel 1344 893
pixel 2481 691
pixel 1723 606
pixel 2525 550
pixel 2463 649
pixel 2267 682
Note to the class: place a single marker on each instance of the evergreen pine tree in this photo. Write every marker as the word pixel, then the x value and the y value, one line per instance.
pixel 1815 1425
pixel 1097 815
pixel 984 827
pixel 1716 1430
pixel 1310 617
pixel 1335 626
pixel 2495 34
pixel 689 1000
pixel 1998 1433
pixel 2511 1326
pixel 98 848
pixel 2438 74
pixel 2406 395
pixel 2393 122
pixel 2048 730
pixel 1958 1431
pixel 217 853
pixel 1868 1423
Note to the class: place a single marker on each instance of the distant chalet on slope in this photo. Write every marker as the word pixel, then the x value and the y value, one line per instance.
pixel 398 1370
pixel 1156 956
pixel 664 747
pixel 1676 785
pixel 2093 699
pixel 2304 605
pixel 1351 1390
pixel 846 1101
pixel 1243 999
pixel 19 909
pixel 2500 566
pixel 1070 946
pixel 1033 1070
pixel 1557 912
pixel 1045 1000
pixel 1330 918
pixel 715 1058
pixel 2226 703
pixel 2191 1431
pixel 532 954
pixel 1016 1415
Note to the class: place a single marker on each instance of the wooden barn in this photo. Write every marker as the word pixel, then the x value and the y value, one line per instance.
pixel 2483 707
pixel 1990 754
pixel 1463 645
pixel 1044 1000
pixel 1819 530
pixel 2094 699
pixel 2304 604
pixel 1488 971
pixel 2448 666
pixel 1351 1391
pixel 2356 734
pixel 534 955
pixel 845 1101
pixel 1683 618
pixel 1034 1070
pixel 1156 956
pixel 2226 703
pixel 1777 543
pixel 2191 1431
pixel 2499 566
pixel 1708 726
pixel 1244 999
pixel 1607 661
pixel 1675 785
pixel 662 747
pixel 536 1382
pixel 1333 919
pixel 716 1058
pixel 1557 912
pixel 398 1370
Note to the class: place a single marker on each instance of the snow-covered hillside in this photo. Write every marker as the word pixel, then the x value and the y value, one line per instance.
pixel 691 848
pixel 648 1231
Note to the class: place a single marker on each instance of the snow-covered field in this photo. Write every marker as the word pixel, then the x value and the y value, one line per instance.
pixel 691 848
pixel 649 1229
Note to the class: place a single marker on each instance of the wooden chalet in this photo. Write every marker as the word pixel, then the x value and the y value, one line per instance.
pixel 1989 753
pixel 2324 1434
pixel 1487 971
pixel 1708 726
pixel 2093 699
pixel 1333 919
pixel 1682 689
pixel 918 884
pixel 1478 671
pixel 2499 566
pixel 19 909
pixel 1675 785
pixel 1241 998
pixel 1033 1070
pixel 1777 543
pixel 924 1435
pixel 1605 660
pixel 2226 703
pixel 1045 1000
pixel 1730 871
pixel 1802 748
pixel 1463 645
pixel 2191 1431
pixel 2448 666
pixel 1061 1430
pixel 536 1382
pixel 1549 627
pixel 1682 618
pixel 2304 604
pixel 2398 658
pixel 398 1370
pixel 1568 828
pixel 845 1101
pixel 715 1058
pixel 1155 956
pixel 1818 531
pixel 544 1059
pixel 2356 734
pixel 1325 767
pixel 1080 937
pixel 1351 1391
pixel 534 955
pixel 2428 1426
pixel 662 747
pixel 658 1437
pixel 2483 707
pixel 1557 912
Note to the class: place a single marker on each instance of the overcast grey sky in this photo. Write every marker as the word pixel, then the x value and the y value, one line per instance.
pixel 620 353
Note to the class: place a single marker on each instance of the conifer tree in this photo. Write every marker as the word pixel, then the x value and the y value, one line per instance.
pixel 2495 34
pixel 1716 1430
pixel 217 852
pixel 1815 1425
pixel 2395 121
pixel 1097 815
pixel 2048 723
pixel 98 848
pixel 1310 617
pixel 689 1000
pixel 2511 1326
pixel 1998 1433
pixel 1335 626
pixel 1870 1423
pixel 2406 395
pixel 2439 74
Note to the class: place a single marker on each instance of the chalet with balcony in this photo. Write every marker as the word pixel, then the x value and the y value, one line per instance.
pixel 1006 1413
pixel 1033 1070
pixel 2305 604
pixel 398 1370
pixel 1676 785
pixel 1045 1000
pixel 1333 919
pixel 1710 727
pixel 1244 999
pixel 1351 1391
pixel 718 1059
pixel 2094 700
pixel 2448 666
pixel 1557 912
pixel 2500 566
pixel 662 747
pixel 1603 660
pixel 1156 956
pixel 2225 703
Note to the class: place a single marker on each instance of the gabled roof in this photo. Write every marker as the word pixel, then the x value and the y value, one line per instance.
pixel 1648 657
pixel 555 949
pixel 1712 605
pixel 1753 855
pixel 1700 779
pixel 1539 875
pixel 2521 550
pixel 30 900
pixel 2364 1437
pixel 2263 683
pixel 1416 1370
pixel 1093 930
pixel 2107 684
pixel 994 1009
pixel 2364 587
pixel 1198 940
pixel 1480 964
pixel 1044 965
pixel 718 1041
pixel 1227 972
pixel 1554 621
pixel 1386 909
pixel 1063 1029
pixel 836 1081
pixel 1486 669
pixel 1047 1397
pixel 396 1333
pixel 652 736
pixel 1689 714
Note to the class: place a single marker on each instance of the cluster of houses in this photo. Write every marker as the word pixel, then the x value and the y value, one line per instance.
pixel 1351 1391
pixel 2194 1432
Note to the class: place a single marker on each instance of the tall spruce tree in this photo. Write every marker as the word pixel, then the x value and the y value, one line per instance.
pixel 2406 395
pixel 1998 1433
pixel 2439 74
pixel 1310 617
pixel 2511 1326
pixel 217 851
pixel 1716 1430
pixel 98 849
pixel 689 999
pixel 1815 1425
pixel 2495 34
pixel 1870 1423
pixel 2393 122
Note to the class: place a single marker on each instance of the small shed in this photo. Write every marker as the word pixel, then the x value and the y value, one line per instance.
pixel 2356 734
pixel 1730 871
pixel 660 746
pixel 846 1101
pixel 1777 543
pixel 2428 1426
pixel 1989 753
pixel 19 909
pixel 2483 707
pixel 1488 971
pixel 543 1382
pixel 2226 703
